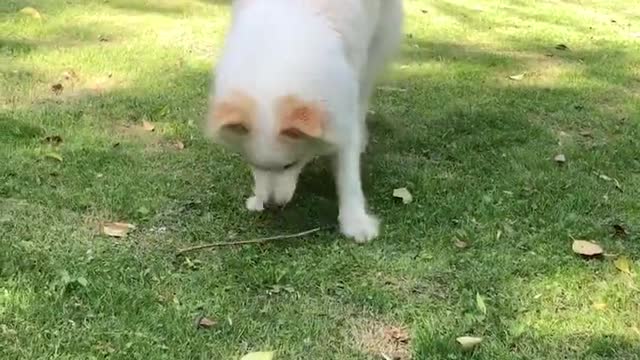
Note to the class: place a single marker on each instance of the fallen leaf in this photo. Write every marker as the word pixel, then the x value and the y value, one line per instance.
pixel 117 229
pixel 561 47
pixel 460 244
pixel 205 323
pixel 57 88
pixel 404 194
pixel 54 156
pixel 29 11
pixel 480 304
pixel 586 248
pixel 610 179
pixel 263 355
pixel 517 77
pixel 148 126
pixel 623 264
pixel 560 159
pixel 103 38
pixel 82 281
pixel 469 342
pixel 179 145
pixel 620 231
pixel 599 306
pixel 586 133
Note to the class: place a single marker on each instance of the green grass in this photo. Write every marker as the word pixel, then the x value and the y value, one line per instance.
pixel 474 147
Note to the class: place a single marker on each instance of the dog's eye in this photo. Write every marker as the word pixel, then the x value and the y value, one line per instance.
pixel 289 166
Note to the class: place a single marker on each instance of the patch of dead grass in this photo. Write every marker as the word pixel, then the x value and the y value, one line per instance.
pixel 380 339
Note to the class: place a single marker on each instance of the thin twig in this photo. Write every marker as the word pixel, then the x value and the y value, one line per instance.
pixel 244 242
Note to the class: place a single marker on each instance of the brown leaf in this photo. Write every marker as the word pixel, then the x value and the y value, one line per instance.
pixel 57 88
pixel 623 264
pixel 469 342
pixel 29 11
pixel 404 194
pixel 205 323
pixel 610 179
pixel 586 133
pixel 460 244
pixel 117 229
pixel 54 156
pixel 148 126
pixel 179 145
pixel 560 159
pixel 586 248
pixel 620 231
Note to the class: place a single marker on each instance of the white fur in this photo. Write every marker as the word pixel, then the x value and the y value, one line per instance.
pixel 328 51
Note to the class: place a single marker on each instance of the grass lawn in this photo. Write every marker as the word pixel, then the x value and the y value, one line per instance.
pixel 493 216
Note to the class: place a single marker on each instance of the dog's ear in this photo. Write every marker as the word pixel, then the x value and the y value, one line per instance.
pixel 234 113
pixel 299 119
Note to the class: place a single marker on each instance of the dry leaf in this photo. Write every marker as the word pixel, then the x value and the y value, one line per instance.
pixel 404 194
pixel 116 229
pixel 179 145
pixel 623 264
pixel 480 304
pixel 560 159
pixel 469 342
pixel 264 355
pixel 599 306
pixel 54 156
pixel 29 11
pixel 460 244
pixel 586 248
pixel 205 323
pixel 148 126
pixel 614 180
pixel 517 77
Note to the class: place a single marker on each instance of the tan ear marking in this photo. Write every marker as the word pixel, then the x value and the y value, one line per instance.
pixel 299 118
pixel 235 113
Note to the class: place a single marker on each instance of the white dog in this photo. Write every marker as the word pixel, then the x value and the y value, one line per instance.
pixel 293 83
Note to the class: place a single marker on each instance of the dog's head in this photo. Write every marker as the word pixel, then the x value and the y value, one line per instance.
pixel 272 137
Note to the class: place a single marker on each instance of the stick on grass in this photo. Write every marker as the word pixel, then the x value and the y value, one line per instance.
pixel 244 242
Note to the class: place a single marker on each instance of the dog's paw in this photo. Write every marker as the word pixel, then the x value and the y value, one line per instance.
pixel 360 227
pixel 284 188
pixel 254 204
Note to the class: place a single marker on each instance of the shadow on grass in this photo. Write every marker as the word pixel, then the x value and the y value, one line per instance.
pixel 165 7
